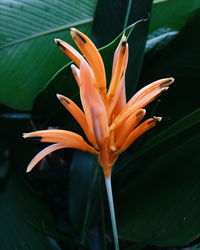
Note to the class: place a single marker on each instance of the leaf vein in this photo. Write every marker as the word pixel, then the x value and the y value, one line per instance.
pixel 88 20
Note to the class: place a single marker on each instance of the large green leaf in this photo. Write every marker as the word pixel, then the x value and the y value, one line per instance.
pixel 20 211
pixel 82 189
pixel 160 206
pixel 172 13
pixel 29 56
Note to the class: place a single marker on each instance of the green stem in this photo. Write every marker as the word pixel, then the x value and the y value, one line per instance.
pixel 128 9
pixel 112 211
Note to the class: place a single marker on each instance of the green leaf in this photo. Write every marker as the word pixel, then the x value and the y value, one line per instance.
pixel 20 208
pixel 29 56
pixel 180 58
pixel 172 14
pixel 160 206
pixel 83 186
pixel 185 123
pixel 159 39
pixel 195 247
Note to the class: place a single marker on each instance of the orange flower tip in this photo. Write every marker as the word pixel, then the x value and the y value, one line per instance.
pixel 62 98
pixel 124 41
pixel 155 120
pixel 59 43
pixel 73 67
pixel 28 169
pixel 124 44
pixel 141 112
pixel 59 96
pixel 167 82
pixel 77 34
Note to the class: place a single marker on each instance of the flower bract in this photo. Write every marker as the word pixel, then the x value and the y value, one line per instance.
pixel 110 122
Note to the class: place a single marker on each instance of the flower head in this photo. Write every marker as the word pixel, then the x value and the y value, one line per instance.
pixel 110 123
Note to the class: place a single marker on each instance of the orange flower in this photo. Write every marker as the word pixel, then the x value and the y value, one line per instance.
pixel 110 123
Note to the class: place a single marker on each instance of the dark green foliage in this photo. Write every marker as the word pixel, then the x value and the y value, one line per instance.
pixel 155 183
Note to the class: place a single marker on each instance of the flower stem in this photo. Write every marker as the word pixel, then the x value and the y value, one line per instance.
pixel 112 211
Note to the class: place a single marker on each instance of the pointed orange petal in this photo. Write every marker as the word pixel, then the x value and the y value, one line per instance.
pixel 138 131
pixel 73 54
pixel 93 57
pixel 149 92
pixel 70 139
pixel 118 76
pixel 120 63
pixel 144 97
pixel 93 105
pixel 78 115
pixel 44 153
pixel 129 125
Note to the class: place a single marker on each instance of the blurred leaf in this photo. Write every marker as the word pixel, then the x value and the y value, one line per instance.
pixel 182 55
pixel 111 19
pixel 159 39
pixel 160 205
pixel 29 55
pixel 195 247
pixel 178 127
pixel 12 125
pixel 158 1
pixel 4 166
pixel 20 208
pixel 172 14
pixel 82 190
